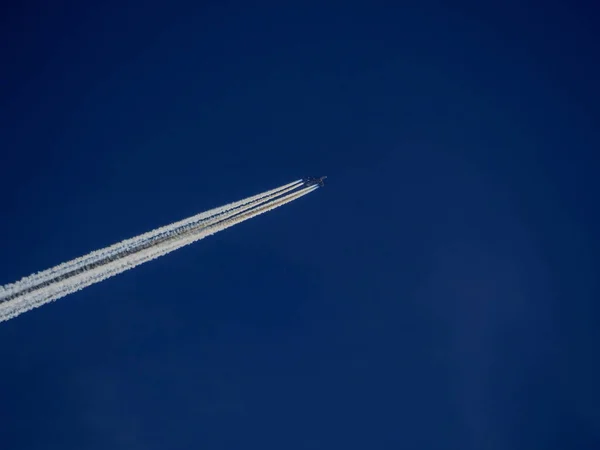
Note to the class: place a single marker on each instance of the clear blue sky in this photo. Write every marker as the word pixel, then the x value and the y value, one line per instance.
pixel 441 292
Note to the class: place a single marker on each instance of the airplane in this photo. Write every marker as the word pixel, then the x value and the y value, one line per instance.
pixel 310 181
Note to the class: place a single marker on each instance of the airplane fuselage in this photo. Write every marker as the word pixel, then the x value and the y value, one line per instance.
pixel 310 181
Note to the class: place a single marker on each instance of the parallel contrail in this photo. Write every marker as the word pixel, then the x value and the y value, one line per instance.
pixel 113 250
pixel 59 281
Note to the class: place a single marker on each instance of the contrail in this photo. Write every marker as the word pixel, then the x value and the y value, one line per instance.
pixel 128 244
pixel 32 292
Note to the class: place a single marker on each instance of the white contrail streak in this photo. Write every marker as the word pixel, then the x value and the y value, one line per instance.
pixel 135 244
pixel 114 250
pixel 132 255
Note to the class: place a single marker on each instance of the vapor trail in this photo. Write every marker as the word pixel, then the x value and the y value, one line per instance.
pixel 129 245
pixel 132 255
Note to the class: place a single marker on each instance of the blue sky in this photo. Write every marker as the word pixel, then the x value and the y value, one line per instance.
pixel 440 292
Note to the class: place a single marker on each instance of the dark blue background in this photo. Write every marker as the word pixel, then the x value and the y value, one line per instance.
pixel 440 293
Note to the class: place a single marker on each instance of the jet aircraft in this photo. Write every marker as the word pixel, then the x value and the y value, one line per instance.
pixel 310 181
